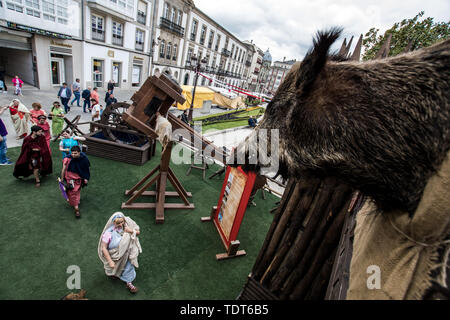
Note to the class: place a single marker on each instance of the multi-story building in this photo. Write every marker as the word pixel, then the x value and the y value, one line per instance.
pixel 171 17
pixel 116 42
pixel 39 40
pixel 60 40
pixel 277 74
pixel 121 40
pixel 225 55
pixel 264 74
pixel 255 66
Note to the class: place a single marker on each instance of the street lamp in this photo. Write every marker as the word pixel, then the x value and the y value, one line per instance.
pixel 197 65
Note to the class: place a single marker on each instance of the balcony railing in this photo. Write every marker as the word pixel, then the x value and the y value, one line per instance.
pixel 248 63
pixel 117 40
pixel 141 17
pixel 202 40
pixel 226 52
pixel 98 35
pixel 139 46
pixel 193 36
pixel 172 27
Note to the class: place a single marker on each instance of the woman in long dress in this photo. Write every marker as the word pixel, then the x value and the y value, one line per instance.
pixel 20 116
pixel 57 114
pixel 119 247
pixel 35 112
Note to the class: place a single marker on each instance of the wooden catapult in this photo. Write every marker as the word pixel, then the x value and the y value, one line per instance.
pixel 156 95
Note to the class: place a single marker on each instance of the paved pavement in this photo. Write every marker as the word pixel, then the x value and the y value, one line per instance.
pixel 47 97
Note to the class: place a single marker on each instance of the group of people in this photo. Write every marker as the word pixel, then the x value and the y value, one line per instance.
pixel 91 100
pixel 119 245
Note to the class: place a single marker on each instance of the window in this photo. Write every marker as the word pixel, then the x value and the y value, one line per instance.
pixel 203 34
pixel 174 57
pixel 211 39
pixel 169 50
pixel 139 40
pixel 97 73
pixel 48 6
pixel 218 42
pixel 173 15
pixel 32 3
pixel 142 13
pixel 194 30
pixel 98 32
pixel 117 33
pixel 49 17
pixel 14 7
pixel 180 18
pixel 162 48
pixel 166 11
pixel 189 54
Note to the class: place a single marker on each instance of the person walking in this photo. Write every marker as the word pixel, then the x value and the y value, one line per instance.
pixel 17 83
pixel 19 117
pixel 94 95
pixel 76 172
pixel 111 99
pixel 57 117
pixel 35 157
pixel 4 161
pixel 111 86
pixel 64 94
pixel 35 112
pixel 68 141
pixel 96 111
pixel 119 248
pixel 2 78
pixel 86 95
pixel 76 89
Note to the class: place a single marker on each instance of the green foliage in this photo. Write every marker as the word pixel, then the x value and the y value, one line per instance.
pixel 420 33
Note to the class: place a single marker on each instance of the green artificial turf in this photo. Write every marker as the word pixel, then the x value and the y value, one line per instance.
pixel 40 237
pixel 227 124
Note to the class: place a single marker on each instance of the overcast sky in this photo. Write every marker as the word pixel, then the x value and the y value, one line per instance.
pixel 286 27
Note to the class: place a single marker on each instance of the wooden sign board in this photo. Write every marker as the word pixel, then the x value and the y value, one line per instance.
pixel 229 212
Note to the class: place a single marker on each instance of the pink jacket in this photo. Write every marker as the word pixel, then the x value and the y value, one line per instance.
pixel 14 80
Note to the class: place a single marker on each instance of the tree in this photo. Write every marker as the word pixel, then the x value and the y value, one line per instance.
pixel 414 32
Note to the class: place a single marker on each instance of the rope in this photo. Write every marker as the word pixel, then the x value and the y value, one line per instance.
pixel 415 241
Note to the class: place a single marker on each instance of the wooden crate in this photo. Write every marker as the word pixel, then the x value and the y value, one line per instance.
pixel 117 151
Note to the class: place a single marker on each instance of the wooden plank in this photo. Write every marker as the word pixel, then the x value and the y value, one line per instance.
pixel 181 192
pixel 161 198
pixel 141 126
pixel 174 206
pixel 154 193
pixel 137 185
pixel 224 256
pixel 140 191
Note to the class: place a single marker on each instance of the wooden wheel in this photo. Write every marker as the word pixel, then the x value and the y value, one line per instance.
pixel 116 129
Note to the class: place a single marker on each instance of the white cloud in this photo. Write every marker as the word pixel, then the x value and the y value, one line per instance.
pixel 287 27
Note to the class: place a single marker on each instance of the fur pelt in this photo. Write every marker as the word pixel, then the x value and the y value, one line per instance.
pixel 381 126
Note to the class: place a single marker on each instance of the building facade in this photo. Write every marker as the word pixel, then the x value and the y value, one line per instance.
pixel 277 74
pixel 61 40
pixel 121 40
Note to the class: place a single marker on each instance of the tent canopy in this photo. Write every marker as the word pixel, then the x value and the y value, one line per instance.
pixel 204 93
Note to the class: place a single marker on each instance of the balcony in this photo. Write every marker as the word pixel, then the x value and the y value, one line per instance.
pixel 117 40
pixel 98 35
pixel 193 36
pixel 202 40
pixel 172 27
pixel 141 17
pixel 248 63
pixel 139 46
pixel 226 52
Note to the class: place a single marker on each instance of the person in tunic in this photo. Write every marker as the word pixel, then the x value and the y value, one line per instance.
pixel 57 114
pixel 35 112
pixel 42 122
pixel 76 172
pixel 35 157
pixel 68 142
pixel 4 161
pixel 119 248
pixel 20 117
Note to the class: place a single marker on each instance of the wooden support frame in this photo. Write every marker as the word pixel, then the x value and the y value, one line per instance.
pixel 160 179
pixel 71 125
pixel 204 165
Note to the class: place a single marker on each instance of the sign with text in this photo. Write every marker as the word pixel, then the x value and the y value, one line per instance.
pixel 233 200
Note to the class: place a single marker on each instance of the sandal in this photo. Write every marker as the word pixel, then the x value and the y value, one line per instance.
pixel 77 213
pixel 38 184
pixel 132 288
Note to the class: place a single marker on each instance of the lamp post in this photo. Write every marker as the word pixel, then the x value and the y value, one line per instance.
pixel 197 65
